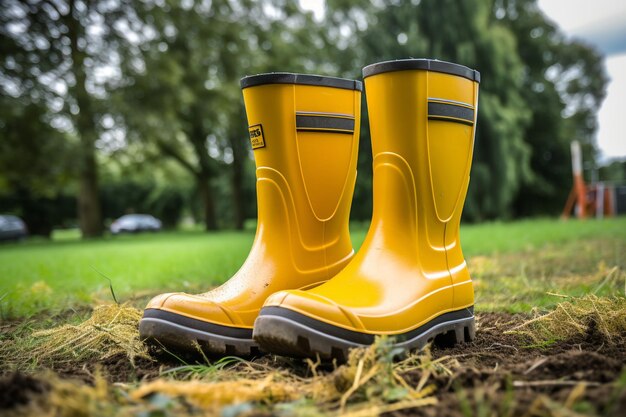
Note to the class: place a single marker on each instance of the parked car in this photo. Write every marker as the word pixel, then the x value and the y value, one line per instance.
pixel 12 228
pixel 131 223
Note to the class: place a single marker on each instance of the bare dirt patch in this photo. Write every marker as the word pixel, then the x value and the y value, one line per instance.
pixel 18 389
pixel 501 373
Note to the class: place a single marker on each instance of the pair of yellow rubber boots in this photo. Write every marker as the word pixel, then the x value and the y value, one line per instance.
pixel 302 292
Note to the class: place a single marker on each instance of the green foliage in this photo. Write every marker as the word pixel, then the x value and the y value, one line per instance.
pixel 26 142
pixel 172 95
pixel 615 171
pixel 33 185
pixel 50 54
pixel 179 95
pixel 127 196
pixel 531 102
pixel 563 87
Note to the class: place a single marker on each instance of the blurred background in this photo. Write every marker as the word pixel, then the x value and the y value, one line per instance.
pixel 116 107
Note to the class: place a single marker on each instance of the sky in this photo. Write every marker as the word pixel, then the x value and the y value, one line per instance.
pixel 601 23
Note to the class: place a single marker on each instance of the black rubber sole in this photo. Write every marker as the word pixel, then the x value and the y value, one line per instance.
pixel 285 332
pixel 183 334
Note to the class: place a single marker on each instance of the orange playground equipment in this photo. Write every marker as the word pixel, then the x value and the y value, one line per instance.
pixel 598 199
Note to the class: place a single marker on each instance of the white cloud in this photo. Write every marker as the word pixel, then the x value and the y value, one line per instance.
pixel 612 116
pixel 576 16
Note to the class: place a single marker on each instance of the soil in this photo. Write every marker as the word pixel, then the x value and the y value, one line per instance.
pixel 17 389
pixel 498 372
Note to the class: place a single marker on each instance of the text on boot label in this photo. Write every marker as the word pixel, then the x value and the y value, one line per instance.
pixel 256 136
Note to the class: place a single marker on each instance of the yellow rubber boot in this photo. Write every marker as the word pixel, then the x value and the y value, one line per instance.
pixel 304 132
pixel 409 279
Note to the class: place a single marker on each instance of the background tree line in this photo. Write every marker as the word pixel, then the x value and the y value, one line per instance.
pixel 115 106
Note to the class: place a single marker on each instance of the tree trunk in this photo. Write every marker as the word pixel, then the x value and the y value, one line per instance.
pixel 208 203
pixel 237 137
pixel 237 184
pixel 197 137
pixel 238 146
pixel 203 184
pixel 89 211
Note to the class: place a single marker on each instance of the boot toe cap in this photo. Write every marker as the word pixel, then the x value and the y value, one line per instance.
pixel 316 307
pixel 159 300
pixel 196 307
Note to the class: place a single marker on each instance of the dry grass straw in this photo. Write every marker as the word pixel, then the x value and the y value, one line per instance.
pixel 74 398
pixel 111 330
pixel 214 395
pixel 66 397
pixel 543 405
pixel 578 316
pixel 370 383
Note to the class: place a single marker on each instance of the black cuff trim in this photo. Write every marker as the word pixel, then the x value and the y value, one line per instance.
pixel 303 79
pixel 422 64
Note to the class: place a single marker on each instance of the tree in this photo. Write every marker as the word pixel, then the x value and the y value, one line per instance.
pixel 172 89
pixel 51 50
pixel 164 77
pixel 237 134
pixel 538 91
pixel 461 32
pixel 564 84
pixel 31 182
pixel 181 92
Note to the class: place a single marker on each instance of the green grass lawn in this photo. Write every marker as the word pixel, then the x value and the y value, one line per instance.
pixel 48 290
pixel 67 272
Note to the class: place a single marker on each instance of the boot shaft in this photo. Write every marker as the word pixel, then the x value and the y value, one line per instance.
pixel 426 117
pixel 422 121
pixel 304 133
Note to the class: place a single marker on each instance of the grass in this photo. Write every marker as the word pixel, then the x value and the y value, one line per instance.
pixel 541 276
pixel 370 383
pixel 605 316
pixel 55 274
pixel 111 330
pixel 66 271
pixel 570 276
pixel 502 237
